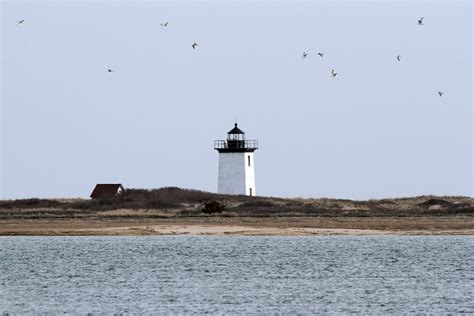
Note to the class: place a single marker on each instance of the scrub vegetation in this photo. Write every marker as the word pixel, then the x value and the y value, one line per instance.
pixel 172 202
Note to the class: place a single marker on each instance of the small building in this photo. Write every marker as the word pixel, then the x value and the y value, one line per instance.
pixel 107 190
pixel 236 165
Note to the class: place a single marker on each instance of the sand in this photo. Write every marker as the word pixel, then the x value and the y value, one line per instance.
pixel 241 226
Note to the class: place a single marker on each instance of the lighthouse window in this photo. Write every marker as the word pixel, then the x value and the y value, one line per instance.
pixel 248 159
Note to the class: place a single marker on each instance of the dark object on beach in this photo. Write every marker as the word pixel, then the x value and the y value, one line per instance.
pixel 107 190
pixel 213 208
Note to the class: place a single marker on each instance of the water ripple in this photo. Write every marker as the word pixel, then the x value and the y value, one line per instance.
pixel 236 275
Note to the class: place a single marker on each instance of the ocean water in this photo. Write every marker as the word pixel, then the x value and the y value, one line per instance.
pixel 236 275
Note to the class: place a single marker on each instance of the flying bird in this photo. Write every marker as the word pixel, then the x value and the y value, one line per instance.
pixel 20 22
pixel 164 25
pixel 109 70
pixel 305 54
pixel 399 57
pixel 321 54
pixel 420 21
pixel 440 93
pixel 333 73
pixel 194 45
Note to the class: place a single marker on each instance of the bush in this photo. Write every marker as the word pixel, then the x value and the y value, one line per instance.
pixel 432 202
pixel 213 208
pixel 29 203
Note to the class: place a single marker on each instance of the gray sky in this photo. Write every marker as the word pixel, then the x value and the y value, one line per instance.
pixel 379 129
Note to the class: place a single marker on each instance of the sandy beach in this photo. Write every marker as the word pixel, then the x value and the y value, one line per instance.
pixel 245 226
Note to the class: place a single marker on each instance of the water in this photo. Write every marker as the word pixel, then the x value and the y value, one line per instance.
pixel 236 275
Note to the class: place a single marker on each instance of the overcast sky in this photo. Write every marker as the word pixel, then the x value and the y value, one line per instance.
pixel 378 129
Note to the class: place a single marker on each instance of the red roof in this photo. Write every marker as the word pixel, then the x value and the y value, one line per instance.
pixel 106 190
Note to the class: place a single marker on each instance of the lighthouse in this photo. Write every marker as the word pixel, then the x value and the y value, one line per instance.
pixel 236 164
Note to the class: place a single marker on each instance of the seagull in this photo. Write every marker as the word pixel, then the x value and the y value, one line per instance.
pixel 164 25
pixel 420 21
pixel 194 45
pixel 20 22
pixel 399 57
pixel 109 70
pixel 440 93
pixel 305 54
pixel 333 73
pixel 321 54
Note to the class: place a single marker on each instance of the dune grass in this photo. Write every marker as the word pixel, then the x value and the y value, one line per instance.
pixel 175 202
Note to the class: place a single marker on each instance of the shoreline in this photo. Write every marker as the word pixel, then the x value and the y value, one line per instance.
pixel 242 226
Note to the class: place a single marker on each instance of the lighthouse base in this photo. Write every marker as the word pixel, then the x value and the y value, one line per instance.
pixel 236 173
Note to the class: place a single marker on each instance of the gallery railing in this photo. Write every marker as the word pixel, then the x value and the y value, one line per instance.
pixel 234 144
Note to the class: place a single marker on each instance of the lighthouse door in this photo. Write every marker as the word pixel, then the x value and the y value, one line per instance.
pixel 250 191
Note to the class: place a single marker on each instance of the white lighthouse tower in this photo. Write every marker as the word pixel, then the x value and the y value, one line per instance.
pixel 236 164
